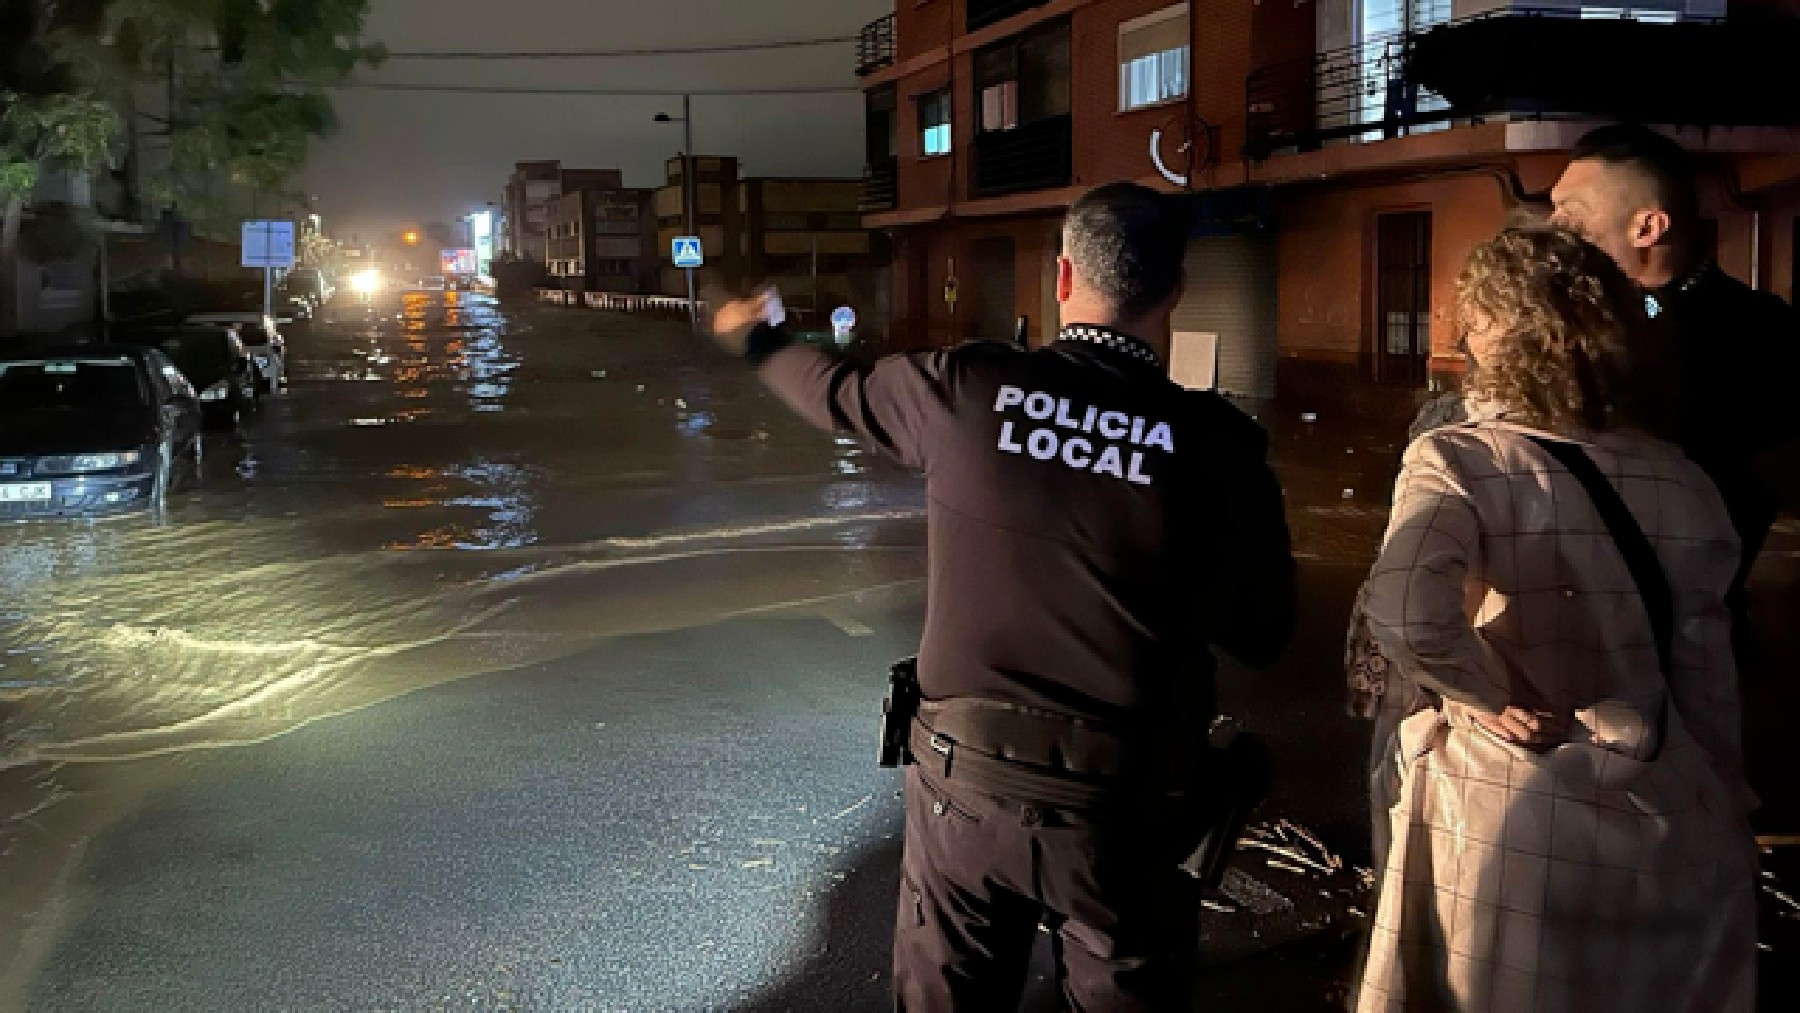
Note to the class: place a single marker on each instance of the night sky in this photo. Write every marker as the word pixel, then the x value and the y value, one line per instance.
pixel 412 158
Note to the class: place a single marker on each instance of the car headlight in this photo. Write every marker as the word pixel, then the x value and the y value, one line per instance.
pixel 366 282
pixel 217 392
pixel 81 464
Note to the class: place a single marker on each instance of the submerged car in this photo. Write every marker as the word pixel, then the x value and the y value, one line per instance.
pixel 93 429
pixel 261 338
pixel 218 366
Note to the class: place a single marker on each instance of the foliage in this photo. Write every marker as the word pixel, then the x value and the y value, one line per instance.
pixel 47 117
pixel 249 82
pixel 317 251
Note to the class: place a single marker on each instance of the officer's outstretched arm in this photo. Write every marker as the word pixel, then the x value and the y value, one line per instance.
pixel 896 404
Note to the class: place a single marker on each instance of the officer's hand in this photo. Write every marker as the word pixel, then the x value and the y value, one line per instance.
pixel 732 324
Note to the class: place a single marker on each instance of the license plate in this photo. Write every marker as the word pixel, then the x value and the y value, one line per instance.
pixel 24 492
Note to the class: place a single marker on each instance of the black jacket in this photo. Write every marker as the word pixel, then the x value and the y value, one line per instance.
pixel 1093 527
pixel 1739 354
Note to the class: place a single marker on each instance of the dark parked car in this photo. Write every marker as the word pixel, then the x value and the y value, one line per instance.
pixel 93 429
pixel 219 367
pixel 267 348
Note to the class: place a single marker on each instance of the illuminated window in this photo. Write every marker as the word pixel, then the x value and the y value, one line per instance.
pixel 1153 58
pixel 934 122
pixel 1647 15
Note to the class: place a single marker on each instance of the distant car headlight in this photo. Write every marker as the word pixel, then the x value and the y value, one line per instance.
pixel 217 392
pixel 81 464
pixel 366 282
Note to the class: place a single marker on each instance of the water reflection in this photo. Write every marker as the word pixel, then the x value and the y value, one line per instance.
pixel 382 528
pixel 503 490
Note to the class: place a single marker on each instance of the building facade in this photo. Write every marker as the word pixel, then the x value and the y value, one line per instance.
pixel 527 200
pixel 603 240
pixel 1340 159
pixel 804 236
pixel 716 221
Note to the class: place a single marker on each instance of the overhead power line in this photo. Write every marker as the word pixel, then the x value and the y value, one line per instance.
pixel 476 89
pixel 597 54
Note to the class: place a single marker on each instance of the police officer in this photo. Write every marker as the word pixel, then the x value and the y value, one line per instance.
pixel 1094 531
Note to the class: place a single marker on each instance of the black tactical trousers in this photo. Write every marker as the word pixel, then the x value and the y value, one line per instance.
pixel 979 876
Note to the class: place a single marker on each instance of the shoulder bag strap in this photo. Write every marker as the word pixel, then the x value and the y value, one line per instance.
pixel 1640 559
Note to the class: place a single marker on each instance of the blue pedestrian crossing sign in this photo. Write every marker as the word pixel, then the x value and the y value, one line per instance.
pixel 687 252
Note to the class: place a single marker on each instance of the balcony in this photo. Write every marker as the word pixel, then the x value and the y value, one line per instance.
pixel 983 13
pixel 1034 156
pixel 875 46
pixel 1471 70
pixel 880 187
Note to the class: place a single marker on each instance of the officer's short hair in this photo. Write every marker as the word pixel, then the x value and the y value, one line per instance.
pixel 1127 242
pixel 1660 160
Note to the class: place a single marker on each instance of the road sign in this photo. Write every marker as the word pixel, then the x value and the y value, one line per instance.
pixel 268 244
pixel 687 252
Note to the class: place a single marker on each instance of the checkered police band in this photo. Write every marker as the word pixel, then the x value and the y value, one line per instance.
pixel 1109 338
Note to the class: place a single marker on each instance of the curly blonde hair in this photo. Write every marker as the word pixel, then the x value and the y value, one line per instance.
pixel 1575 350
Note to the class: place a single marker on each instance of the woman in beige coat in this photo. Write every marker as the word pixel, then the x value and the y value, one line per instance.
pixel 1558 848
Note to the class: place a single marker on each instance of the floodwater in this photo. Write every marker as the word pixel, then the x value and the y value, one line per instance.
pixel 442 490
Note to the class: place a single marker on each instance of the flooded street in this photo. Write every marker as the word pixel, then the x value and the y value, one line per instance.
pixel 441 491
pixel 531 660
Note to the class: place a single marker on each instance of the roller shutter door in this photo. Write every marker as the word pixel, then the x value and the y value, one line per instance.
pixel 1231 293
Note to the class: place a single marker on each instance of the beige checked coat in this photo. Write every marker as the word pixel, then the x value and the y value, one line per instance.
pixel 1587 877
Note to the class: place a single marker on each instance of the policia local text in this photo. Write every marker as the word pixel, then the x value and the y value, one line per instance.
pixel 1060 440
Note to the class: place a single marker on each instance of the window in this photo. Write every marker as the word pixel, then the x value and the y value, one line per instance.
pixel 997 86
pixel 934 123
pixel 1153 58
pixel 879 117
pixel 1649 16
pixel 1023 80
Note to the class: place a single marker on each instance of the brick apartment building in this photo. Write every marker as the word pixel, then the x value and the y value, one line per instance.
pixel 527 200
pixel 1341 158
pixel 603 240
pixel 803 235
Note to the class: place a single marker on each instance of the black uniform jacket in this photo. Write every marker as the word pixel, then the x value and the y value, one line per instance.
pixel 1094 529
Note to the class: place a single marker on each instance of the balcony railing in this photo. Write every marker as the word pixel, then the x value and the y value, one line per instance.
pixel 1519 62
pixel 983 13
pixel 1035 156
pixel 880 186
pixel 875 46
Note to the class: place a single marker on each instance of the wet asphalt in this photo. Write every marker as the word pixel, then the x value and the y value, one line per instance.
pixel 529 659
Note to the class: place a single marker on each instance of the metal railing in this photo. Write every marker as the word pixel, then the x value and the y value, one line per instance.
pixel 880 186
pixel 875 46
pixel 1371 91
pixel 1034 156
pixel 983 13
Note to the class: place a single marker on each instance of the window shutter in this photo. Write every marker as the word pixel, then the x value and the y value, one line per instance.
pixel 1154 33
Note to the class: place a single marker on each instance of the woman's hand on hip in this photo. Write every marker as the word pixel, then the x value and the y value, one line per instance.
pixel 1523 727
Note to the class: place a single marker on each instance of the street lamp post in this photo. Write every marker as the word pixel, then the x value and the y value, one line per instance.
pixel 688 191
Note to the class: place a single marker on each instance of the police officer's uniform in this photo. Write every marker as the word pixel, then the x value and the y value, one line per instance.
pixel 1094 530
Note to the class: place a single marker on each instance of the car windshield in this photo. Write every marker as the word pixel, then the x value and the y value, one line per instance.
pixel 203 351
pixel 65 384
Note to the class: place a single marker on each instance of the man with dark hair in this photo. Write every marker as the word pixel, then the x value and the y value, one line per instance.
pixel 1632 192
pixel 1095 531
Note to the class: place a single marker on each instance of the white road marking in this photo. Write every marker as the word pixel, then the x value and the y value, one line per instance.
pixel 851 627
